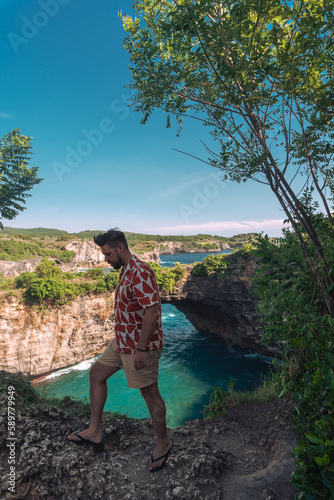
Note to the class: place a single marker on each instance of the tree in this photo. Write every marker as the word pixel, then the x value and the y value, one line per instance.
pixel 48 269
pixel 259 74
pixel 16 178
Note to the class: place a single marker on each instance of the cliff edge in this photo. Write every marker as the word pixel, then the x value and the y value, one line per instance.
pixel 243 455
pixel 38 340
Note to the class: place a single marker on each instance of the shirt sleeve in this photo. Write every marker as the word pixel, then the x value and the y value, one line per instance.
pixel 145 288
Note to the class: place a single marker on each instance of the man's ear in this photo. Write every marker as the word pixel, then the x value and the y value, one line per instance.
pixel 120 248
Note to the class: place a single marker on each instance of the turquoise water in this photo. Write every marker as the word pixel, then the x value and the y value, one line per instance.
pixel 169 260
pixel 192 364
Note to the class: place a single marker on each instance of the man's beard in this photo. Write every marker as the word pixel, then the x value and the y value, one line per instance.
pixel 119 262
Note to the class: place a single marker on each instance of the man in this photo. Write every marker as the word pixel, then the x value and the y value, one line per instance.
pixel 136 348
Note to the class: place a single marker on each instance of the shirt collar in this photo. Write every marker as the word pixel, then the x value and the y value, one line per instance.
pixel 129 265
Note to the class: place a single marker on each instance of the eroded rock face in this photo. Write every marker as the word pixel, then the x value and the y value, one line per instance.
pixel 152 256
pixel 36 341
pixel 13 269
pixel 87 253
pixel 225 307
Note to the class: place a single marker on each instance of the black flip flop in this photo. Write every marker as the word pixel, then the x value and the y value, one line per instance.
pixel 83 440
pixel 165 456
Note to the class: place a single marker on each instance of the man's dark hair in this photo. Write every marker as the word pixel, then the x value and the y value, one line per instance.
pixel 112 238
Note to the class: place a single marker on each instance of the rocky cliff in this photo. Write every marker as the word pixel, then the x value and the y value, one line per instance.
pixel 225 307
pixel 87 253
pixel 170 247
pixel 36 341
pixel 13 269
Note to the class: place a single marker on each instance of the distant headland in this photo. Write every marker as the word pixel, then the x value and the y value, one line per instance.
pixel 23 244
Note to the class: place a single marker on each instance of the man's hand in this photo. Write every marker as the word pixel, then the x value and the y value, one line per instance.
pixel 140 360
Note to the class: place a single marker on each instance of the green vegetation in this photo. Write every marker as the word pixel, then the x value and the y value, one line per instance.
pixel 213 265
pixel 220 265
pixel 25 395
pixel 132 238
pixel 262 93
pixel 168 277
pixel 96 273
pixel 22 244
pixel 49 285
pixel 259 75
pixel 205 242
pixel 15 249
pixel 35 232
pixel 16 178
pixel 142 247
pixel 295 317
pixel 222 399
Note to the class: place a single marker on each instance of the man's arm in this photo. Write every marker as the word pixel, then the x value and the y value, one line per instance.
pixel 148 328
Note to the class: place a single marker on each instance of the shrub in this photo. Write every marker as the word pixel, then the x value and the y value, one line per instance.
pixel 65 256
pixel 178 271
pixel 167 277
pixel 111 280
pixel 79 274
pixel 101 286
pixel 56 290
pixel 84 288
pixel 95 273
pixel 69 276
pixel 292 315
pixel 8 284
pixel 25 279
pixel 213 265
pixel 48 269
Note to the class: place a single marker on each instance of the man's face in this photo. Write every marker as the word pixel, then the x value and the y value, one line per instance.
pixel 112 256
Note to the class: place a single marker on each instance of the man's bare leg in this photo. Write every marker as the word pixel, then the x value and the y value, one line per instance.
pixel 157 409
pixel 98 376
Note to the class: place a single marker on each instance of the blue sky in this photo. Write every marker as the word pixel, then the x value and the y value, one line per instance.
pixel 63 73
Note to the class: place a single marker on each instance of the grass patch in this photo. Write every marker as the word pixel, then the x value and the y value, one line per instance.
pixel 222 399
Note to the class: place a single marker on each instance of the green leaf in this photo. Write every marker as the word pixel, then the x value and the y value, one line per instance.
pixel 314 439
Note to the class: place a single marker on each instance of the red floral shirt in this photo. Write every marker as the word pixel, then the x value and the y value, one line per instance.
pixel 136 290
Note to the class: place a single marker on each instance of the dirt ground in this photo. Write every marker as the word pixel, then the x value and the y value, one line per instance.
pixel 244 455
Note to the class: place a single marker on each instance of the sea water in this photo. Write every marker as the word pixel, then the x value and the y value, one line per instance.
pixel 192 364
pixel 168 260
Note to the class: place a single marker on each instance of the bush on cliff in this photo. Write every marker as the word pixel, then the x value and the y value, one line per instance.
pixel 25 279
pixel 219 265
pixel 54 289
pixel 213 265
pixel 48 269
pixel 167 277
pixel 49 284
pixel 293 315
pixel 95 273
pixel 110 280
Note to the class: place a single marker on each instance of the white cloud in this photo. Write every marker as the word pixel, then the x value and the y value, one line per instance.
pixel 5 115
pixel 274 226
